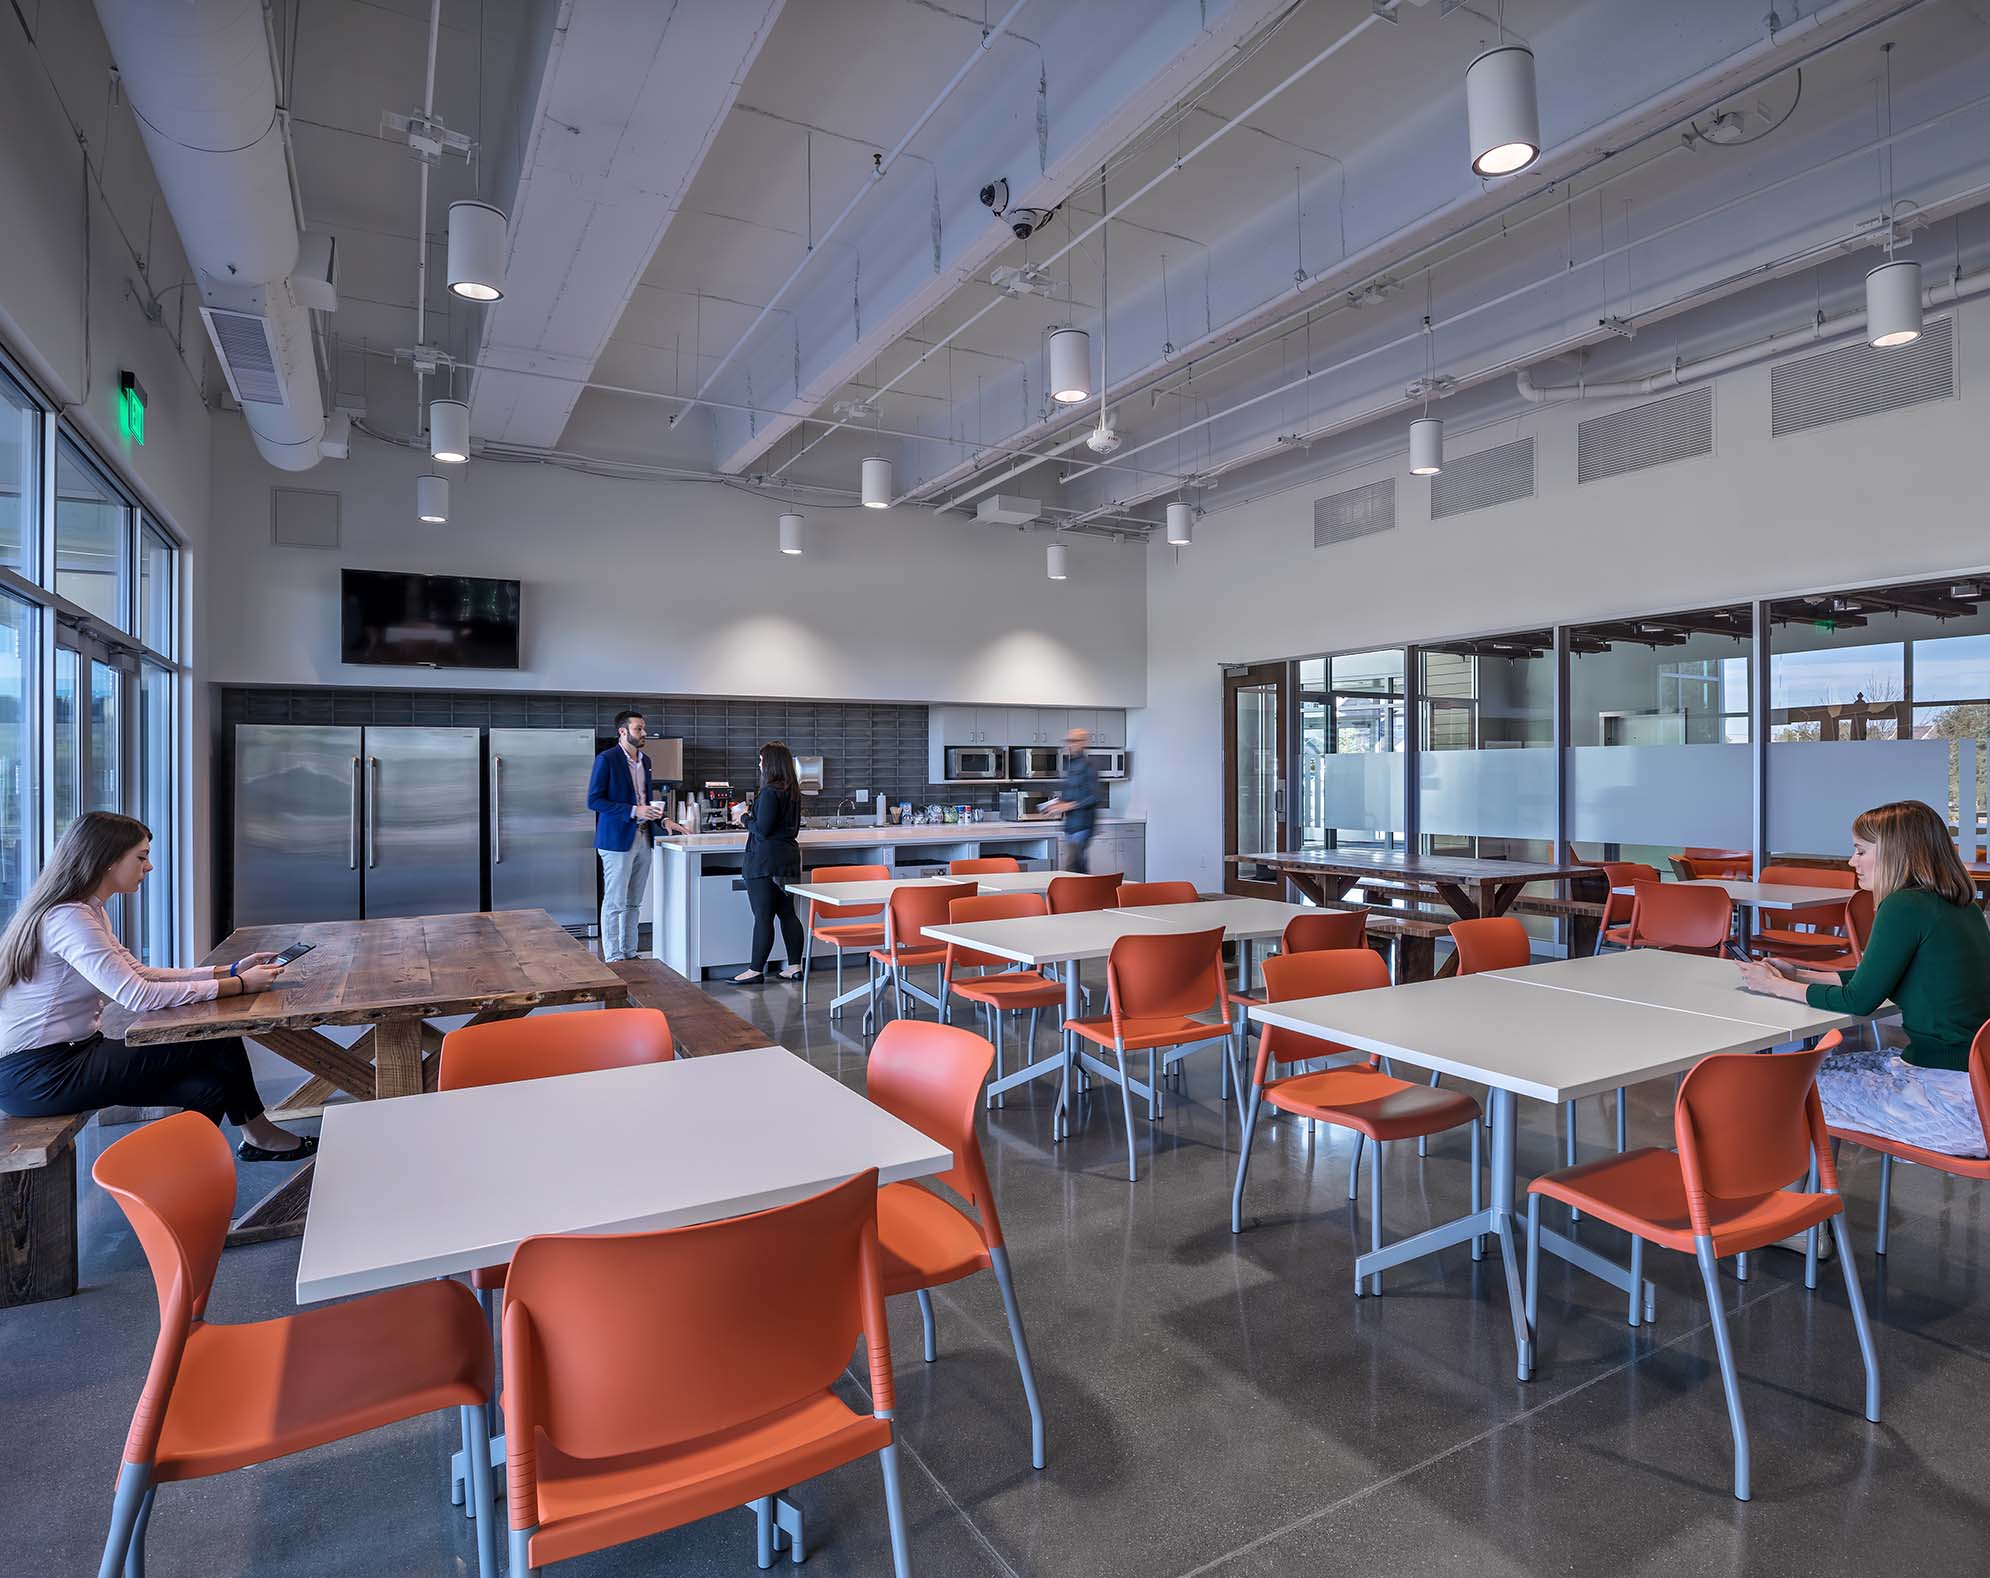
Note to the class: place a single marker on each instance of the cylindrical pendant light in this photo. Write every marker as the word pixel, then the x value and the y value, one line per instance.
pixel 1181 525
pixel 432 499
pixel 1054 562
pixel 449 431
pixel 1501 109
pixel 791 534
pixel 877 482
pixel 1893 304
pixel 1426 446
pixel 1070 366
pixel 476 251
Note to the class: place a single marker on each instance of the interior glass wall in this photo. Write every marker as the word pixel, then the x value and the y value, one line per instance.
pixel 1486 766
pixel 1905 667
pixel 1658 734
pixel 1352 732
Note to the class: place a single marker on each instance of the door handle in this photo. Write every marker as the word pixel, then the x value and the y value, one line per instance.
pixel 372 816
pixel 497 810
pixel 352 844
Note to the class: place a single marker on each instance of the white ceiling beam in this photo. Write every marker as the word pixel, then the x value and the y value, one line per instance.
pixel 631 98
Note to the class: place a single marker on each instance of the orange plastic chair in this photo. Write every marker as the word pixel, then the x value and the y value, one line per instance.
pixel 1009 990
pixel 1695 865
pixel 1312 932
pixel 1977 1167
pixel 1136 895
pixel 652 1379
pixel 845 927
pixel 1360 1097
pixel 1680 918
pixel 1078 891
pixel 1852 946
pixel 1614 930
pixel 219 1398
pixel 1497 942
pixel 1154 987
pixel 1747 1125
pixel 928 1076
pixel 1811 934
pixel 983 865
pixel 906 946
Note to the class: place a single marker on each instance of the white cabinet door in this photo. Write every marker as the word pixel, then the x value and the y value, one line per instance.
pixel 1082 718
pixel 956 725
pixel 1051 723
pixel 1109 727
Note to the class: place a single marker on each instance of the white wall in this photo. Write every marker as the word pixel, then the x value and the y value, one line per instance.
pixel 678 587
pixel 1896 495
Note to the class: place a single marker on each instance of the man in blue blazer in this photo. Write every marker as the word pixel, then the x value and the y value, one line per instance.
pixel 625 823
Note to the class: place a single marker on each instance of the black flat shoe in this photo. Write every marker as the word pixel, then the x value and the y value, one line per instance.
pixel 306 1147
pixel 791 975
pixel 756 979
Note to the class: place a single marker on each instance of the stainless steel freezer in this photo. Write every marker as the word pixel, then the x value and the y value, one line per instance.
pixel 297 823
pixel 424 812
pixel 542 833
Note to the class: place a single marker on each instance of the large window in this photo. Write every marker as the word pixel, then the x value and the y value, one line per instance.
pixel 157 809
pixel 92 538
pixel 1352 722
pixel 1485 775
pixel 20 499
pixel 19 748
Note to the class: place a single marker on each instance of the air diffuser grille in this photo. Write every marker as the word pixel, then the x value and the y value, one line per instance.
pixel 1359 512
pixel 1859 380
pixel 1478 482
pixel 1678 427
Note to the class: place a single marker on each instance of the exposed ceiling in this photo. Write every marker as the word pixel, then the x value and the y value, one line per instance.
pixel 771 209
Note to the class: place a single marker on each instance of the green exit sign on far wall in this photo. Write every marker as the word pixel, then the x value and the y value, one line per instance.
pixel 131 407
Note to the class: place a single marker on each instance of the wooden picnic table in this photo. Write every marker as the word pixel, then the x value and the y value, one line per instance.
pixel 392 975
pixel 1469 888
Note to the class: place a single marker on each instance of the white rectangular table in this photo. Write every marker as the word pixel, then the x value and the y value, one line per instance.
pixel 870 890
pixel 437 1185
pixel 1522 1036
pixel 1747 897
pixel 1015 881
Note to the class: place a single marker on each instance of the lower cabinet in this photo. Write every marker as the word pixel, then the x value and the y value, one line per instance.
pixel 725 920
pixel 1121 847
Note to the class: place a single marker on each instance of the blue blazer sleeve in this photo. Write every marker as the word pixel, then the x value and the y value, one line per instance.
pixel 599 799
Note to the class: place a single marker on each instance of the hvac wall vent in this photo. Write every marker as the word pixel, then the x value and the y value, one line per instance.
pixel 1858 380
pixel 1676 428
pixel 1478 482
pixel 247 347
pixel 1359 512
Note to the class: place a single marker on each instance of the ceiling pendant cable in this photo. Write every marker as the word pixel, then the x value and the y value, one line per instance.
pixel 1103 440
pixel 1427 431
pixel 1893 290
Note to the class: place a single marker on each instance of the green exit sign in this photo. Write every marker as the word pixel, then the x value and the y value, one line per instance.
pixel 131 407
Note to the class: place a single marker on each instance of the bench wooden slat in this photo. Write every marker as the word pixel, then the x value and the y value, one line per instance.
pixel 29 1143
pixel 699 1023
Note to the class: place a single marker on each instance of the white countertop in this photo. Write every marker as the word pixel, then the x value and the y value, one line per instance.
pixel 862 837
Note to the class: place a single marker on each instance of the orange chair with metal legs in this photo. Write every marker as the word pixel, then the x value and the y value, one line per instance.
pixel 542 1046
pixel 928 1076
pixel 1155 985
pixel 653 1379
pixel 1747 1126
pixel 1313 932
pixel 1809 934
pixel 1008 990
pixel 906 947
pixel 219 1398
pixel 847 928
pixel 1681 918
pixel 1359 1097
pixel 1890 1151
pixel 1614 929
pixel 1144 895
pixel 1074 891
pixel 983 866
pixel 1852 946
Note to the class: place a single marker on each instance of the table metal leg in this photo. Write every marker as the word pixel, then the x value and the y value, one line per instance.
pixel 1060 1117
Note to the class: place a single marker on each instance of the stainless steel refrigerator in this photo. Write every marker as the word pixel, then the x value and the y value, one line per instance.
pixel 339 823
pixel 542 833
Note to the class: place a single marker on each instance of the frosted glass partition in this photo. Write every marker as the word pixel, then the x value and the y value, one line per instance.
pixel 1816 787
pixel 1488 793
pixel 1662 795
pixel 1362 790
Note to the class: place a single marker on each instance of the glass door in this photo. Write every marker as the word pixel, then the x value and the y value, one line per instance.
pixel 1256 706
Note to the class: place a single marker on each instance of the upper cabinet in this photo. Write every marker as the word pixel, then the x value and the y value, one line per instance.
pixel 1007 726
pixel 969 725
pixel 1109 727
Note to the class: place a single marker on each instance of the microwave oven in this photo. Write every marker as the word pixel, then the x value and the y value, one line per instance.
pixel 1036 761
pixel 975 761
pixel 1111 763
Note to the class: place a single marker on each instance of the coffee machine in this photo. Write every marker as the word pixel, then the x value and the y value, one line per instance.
pixel 717 798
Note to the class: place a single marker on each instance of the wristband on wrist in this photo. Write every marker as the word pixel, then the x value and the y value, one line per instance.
pixel 231 969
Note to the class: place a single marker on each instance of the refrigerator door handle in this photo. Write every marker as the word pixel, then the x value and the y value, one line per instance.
pixel 372 818
pixel 497 810
pixel 352 843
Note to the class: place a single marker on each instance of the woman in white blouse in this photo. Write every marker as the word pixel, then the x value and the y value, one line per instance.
pixel 60 962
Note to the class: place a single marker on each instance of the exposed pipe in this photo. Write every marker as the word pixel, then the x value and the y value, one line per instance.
pixel 203 90
pixel 1591 148
pixel 884 162
pixel 1956 287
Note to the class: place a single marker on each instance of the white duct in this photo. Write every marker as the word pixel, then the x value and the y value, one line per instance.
pixel 1952 288
pixel 201 86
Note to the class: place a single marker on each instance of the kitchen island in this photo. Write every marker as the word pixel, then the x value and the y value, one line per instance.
pixel 700 919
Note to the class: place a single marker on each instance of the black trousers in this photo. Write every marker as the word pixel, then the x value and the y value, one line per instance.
pixel 209 1077
pixel 772 902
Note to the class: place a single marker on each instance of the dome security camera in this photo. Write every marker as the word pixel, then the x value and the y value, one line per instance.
pixel 1026 222
pixel 995 195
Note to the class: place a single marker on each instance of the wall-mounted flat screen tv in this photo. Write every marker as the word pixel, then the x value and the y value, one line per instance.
pixel 428 621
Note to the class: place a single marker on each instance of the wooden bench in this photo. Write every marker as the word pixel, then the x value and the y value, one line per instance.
pixel 38 1205
pixel 699 1023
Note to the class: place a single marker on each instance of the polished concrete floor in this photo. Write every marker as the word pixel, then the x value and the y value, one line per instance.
pixel 1217 1404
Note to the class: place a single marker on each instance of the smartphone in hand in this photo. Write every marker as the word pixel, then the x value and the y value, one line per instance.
pixel 294 952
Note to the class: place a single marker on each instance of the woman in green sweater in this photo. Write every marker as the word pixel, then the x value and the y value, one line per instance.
pixel 1930 954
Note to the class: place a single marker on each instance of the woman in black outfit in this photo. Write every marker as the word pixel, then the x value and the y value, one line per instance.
pixel 773 859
